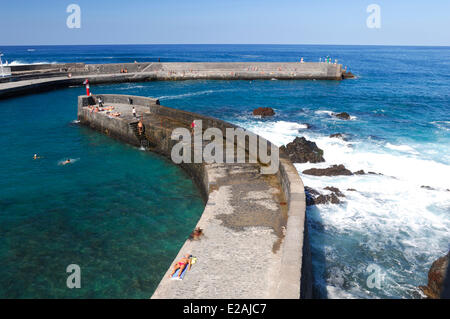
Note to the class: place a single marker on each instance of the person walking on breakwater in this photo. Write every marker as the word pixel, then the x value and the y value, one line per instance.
pixel 134 112
pixel 193 125
pixel 100 101
pixel 182 264
pixel 140 127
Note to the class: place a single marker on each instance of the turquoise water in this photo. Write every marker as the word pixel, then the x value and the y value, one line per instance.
pixel 400 127
pixel 119 213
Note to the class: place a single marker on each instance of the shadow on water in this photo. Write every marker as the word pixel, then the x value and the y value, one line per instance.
pixel 316 231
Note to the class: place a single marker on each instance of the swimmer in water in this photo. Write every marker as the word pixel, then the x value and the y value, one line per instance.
pixel 66 162
pixel 35 157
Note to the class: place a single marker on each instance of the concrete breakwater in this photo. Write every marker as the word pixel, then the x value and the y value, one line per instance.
pixel 255 242
pixel 36 78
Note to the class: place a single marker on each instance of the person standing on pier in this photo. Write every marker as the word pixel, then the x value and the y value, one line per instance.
pixel 193 125
pixel 100 101
pixel 140 127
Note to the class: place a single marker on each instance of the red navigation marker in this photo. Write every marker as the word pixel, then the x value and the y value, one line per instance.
pixel 86 82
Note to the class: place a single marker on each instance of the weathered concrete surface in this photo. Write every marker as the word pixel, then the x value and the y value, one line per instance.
pixel 39 78
pixel 255 243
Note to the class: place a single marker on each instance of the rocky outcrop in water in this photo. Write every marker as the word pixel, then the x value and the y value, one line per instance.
pixel 313 197
pixel 342 115
pixel 436 277
pixel 347 75
pixel 338 135
pixel 302 151
pixel 264 111
pixel 335 170
pixel 335 190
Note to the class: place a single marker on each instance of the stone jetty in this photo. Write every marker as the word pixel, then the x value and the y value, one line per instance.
pixel 37 78
pixel 255 241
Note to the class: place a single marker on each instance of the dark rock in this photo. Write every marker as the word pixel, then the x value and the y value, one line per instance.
pixel 311 191
pixel 436 277
pixel 348 75
pixel 373 173
pixel 313 197
pixel 264 111
pixel 335 191
pixel 338 135
pixel 301 151
pixel 335 170
pixel 310 201
pixel 310 194
pixel 351 190
pixel 325 199
pixel 428 188
pixel 360 172
pixel 343 115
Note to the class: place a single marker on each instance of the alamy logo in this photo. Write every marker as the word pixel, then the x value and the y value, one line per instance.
pixel 374 19
pixel 213 152
pixel 375 278
pixel 74 279
pixel 74 19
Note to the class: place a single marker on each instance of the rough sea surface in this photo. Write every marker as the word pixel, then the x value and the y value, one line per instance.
pixel 400 127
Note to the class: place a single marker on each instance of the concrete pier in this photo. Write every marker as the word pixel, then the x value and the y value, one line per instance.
pixel 255 242
pixel 37 78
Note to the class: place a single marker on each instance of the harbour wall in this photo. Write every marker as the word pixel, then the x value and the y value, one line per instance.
pixel 293 278
pixel 37 78
pixel 291 70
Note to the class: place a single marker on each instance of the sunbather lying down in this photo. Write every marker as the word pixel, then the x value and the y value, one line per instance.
pixel 116 114
pixel 181 264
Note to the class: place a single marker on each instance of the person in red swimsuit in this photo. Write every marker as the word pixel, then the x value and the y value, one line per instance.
pixel 182 264
pixel 193 125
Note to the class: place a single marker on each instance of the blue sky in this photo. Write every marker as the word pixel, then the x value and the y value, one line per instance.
pixel 403 22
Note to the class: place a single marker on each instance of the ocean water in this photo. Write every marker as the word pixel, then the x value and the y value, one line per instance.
pixel 400 127
pixel 119 213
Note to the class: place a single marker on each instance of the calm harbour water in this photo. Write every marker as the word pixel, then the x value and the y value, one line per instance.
pixel 113 210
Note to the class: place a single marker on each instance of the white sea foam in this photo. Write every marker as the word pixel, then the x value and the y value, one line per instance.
pixel 393 221
pixel 18 62
pixel 402 148
pixel 443 125
pixel 279 133
pixel 331 113
pixel 130 86
pixel 320 112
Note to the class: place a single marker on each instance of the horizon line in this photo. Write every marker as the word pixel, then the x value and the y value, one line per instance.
pixel 277 44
